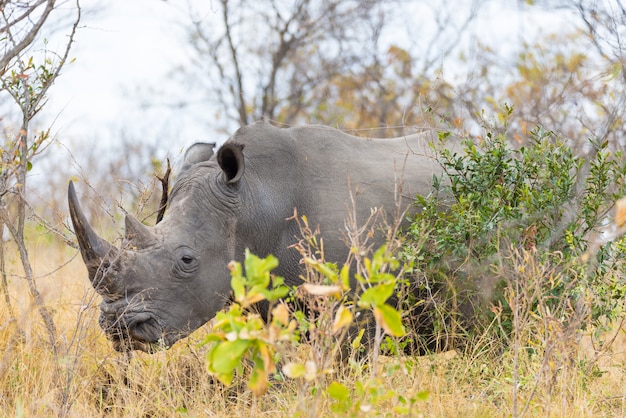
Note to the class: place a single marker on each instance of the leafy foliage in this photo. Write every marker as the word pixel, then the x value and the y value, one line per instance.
pixel 542 199
pixel 380 285
pixel 240 335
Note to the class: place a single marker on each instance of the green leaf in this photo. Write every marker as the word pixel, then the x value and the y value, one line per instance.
pixel 277 293
pixel 338 392
pixel 390 320
pixel 356 342
pixel 258 269
pixel 377 295
pixel 225 358
pixel 381 277
pixel 238 287
pixel 422 395
pixel 345 276
pixel 327 270
pixel 268 263
pixel 211 338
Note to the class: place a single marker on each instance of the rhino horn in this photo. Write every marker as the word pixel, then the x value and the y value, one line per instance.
pixel 137 234
pixel 93 248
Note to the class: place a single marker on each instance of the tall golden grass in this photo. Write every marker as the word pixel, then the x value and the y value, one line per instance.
pixel 86 377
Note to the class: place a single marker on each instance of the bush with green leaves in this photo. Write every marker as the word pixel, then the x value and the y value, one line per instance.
pixel 541 198
pixel 240 335
pixel 241 339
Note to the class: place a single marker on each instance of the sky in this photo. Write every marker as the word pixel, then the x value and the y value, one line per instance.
pixel 121 47
pixel 126 48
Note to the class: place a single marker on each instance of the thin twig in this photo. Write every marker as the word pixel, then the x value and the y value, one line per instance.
pixel 165 187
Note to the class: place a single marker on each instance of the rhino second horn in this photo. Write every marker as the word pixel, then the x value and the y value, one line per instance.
pixel 137 234
pixel 93 248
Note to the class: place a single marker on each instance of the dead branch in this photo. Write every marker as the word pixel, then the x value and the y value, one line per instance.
pixel 165 187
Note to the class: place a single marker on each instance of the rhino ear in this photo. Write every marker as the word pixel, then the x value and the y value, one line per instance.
pixel 230 159
pixel 197 153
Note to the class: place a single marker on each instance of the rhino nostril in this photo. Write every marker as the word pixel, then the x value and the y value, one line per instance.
pixel 144 327
pixel 139 318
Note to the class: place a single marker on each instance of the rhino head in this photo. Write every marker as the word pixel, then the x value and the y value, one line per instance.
pixel 166 281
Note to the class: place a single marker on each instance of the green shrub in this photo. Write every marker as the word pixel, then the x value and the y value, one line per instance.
pixel 541 198
pixel 240 337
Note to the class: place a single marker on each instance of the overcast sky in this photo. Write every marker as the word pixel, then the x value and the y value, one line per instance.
pixel 126 48
pixel 123 48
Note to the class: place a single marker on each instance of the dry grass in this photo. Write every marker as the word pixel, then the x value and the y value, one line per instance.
pixel 88 378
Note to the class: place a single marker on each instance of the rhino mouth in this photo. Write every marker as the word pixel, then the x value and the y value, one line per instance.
pixel 134 331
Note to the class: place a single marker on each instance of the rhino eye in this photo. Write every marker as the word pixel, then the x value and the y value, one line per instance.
pixel 186 262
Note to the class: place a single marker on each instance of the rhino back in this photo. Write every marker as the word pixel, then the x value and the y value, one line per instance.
pixel 326 174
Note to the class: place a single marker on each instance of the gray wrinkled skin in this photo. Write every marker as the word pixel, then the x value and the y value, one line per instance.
pixel 168 280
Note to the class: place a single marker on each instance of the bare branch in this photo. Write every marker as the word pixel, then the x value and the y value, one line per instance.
pixel 165 189
pixel 19 46
pixel 238 93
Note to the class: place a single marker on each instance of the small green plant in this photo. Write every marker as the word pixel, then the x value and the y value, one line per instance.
pixel 379 286
pixel 240 335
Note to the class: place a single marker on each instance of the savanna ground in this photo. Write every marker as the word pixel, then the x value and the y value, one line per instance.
pixel 86 377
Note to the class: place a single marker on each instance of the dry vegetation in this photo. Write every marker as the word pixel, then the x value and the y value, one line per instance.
pixel 565 376
pixel 542 365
